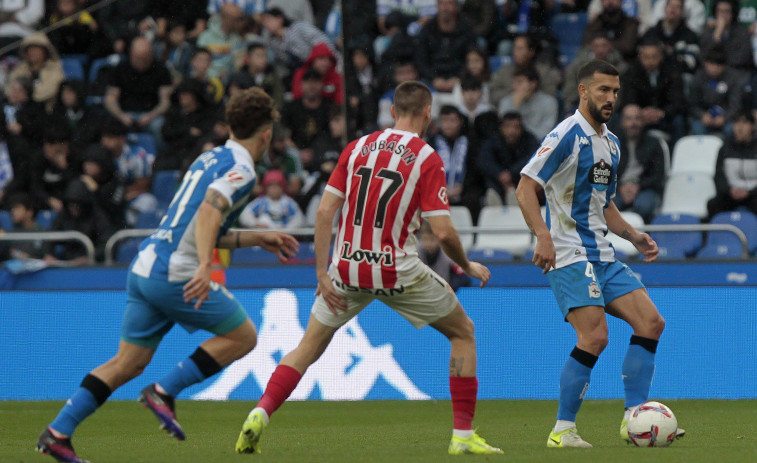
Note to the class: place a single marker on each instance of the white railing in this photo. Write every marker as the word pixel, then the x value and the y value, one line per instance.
pixel 55 236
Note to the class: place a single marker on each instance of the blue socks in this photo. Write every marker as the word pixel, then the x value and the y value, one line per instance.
pixel 574 381
pixel 197 367
pixel 92 393
pixel 638 369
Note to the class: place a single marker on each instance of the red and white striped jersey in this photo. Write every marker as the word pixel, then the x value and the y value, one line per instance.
pixel 389 180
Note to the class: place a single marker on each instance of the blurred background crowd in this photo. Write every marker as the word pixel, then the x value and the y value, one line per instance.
pixel 105 104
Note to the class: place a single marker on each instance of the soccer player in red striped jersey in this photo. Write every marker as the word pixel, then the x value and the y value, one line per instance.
pixel 384 184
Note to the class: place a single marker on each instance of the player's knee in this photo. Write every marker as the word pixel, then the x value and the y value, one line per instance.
pixel 249 343
pixel 657 326
pixel 597 340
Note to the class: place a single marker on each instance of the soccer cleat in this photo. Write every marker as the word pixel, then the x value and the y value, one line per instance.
pixel 249 437
pixel 624 431
pixel 163 407
pixel 680 433
pixel 475 445
pixel 567 438
pixel 60 449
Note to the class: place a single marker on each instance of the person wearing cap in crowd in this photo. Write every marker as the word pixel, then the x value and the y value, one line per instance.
pixel 274 209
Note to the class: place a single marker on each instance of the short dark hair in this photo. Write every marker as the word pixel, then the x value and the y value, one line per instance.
pixel 200 50
pixel 512 116
pixel 529 73
pixel 22 199
pixel 470 82
pixel 249 111
pixel 312 74
pixel 448 109
pixel 114 128
pixel 57 131
pixel 411 98
pixel 278 13
pixel 255 46
pixel 715 54
pixel 744 114
pixel 588 70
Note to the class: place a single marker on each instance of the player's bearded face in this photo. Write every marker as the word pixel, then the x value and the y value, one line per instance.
pixel 600 110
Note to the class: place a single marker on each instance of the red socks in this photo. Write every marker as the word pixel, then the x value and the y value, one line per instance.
pixel 463 391
pixel 283 381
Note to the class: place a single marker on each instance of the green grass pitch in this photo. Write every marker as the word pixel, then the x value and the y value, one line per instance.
pixel 378 431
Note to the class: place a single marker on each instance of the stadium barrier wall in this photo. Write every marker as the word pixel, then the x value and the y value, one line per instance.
pixel 51 339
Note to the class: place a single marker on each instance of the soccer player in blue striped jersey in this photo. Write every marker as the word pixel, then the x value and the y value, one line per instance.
pixel 169 280
pixel 576 166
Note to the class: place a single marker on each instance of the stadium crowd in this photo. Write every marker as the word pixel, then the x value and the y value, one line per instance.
pixel 102 114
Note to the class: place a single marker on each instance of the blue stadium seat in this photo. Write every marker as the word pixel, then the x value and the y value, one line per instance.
pixel 100 63
pixel 6 223
pixel 490 255
pixel 144 140
pixel 725 245
pixel 677 245
pixel 253 255
pixel 45 218
pixel 72 68
pixel 164 184
pixel 568 28
pixel 496 62
pixel 127 250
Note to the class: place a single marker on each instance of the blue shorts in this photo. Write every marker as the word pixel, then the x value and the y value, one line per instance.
pixel 153 306
pixel 591 283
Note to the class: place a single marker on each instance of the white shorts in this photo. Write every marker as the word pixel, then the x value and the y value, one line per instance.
pixel 425 300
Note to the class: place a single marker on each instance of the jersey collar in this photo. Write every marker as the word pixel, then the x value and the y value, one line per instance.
pixel 238 150
pixel 587 128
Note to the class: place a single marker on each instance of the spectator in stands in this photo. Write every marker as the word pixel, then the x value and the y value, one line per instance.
pixel 656 86
pixel 100 175
pixel 248 7
pixel 274 209
pixel 122 21
pixel 40 64
pixel 191 13
pixel 680 42
pixel 452 145
pixel 430 252
pixel 641 171
pixel 641 10
pixel 326 150
pixel 290 41
pixel 716 94
pixel 19 19
pixel 527 16
pixel 525 49
pixel 281 155
pixel 736 169
pixel 599 47
pixel 79 213
pixel 174 50
pixel 134 166
pixel 308 115
pixel 199 67
pixel 503 156
pixel 54 168
pixel 732 36
pixel 261 72
pixel 402 71
pixel 7 172
pixel 295 10
pixel 362 88
pixel 84 120
pixel 619 28
pixel 24 117
pixel 480 116
pixel 222 39
pixel 139 94
pixel 323 60
pixel 442 45
pixel 693 14
pixel 538 109
pixel 189 118
pixel 22 214
pixel 418 13
pixel 76 35
pixel 476 65
pixel 397 45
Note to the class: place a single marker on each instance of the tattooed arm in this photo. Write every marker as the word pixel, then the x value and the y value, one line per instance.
pixel 618 225
pixel 209 217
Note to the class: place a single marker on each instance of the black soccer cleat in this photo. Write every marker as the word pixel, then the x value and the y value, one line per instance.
pixel 60 449
pixel 162 405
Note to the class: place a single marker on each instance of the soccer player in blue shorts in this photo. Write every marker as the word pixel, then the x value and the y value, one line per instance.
pixel 576 166
pixel 169 280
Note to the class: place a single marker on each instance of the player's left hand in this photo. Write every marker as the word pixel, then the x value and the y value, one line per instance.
pixel 647 246
pixel 198 288
pixel 334 301
pixel 283 245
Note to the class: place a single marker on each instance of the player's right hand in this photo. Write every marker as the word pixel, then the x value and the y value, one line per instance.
pixel 334 301
pixel 198 288
pixel 479 272
pixel 544 254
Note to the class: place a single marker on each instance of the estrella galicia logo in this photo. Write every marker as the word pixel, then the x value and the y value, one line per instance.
pixel 600 175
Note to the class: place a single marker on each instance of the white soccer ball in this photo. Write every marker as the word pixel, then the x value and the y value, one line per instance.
pixel 652 424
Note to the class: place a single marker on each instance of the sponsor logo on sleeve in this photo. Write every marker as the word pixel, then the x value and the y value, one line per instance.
pixel 234 176
pixel 443 194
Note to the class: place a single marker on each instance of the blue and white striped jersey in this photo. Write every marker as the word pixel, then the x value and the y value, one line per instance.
pixel 577 167
pixel 170 253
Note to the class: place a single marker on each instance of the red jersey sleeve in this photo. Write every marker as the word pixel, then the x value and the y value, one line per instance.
pixel 338 181
pixel 433 187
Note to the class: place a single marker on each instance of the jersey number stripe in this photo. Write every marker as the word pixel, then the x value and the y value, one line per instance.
pixel 365 175
pixel 188 185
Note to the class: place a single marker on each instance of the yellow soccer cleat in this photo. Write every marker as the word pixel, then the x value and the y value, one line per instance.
pixel 624 431
pixel 475 444
pixel 567 438
pixel 249 437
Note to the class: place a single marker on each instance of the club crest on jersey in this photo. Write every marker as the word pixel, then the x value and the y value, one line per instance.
pixel 368 256
pixel 613 148
pixel 594 291
pixel 600 175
